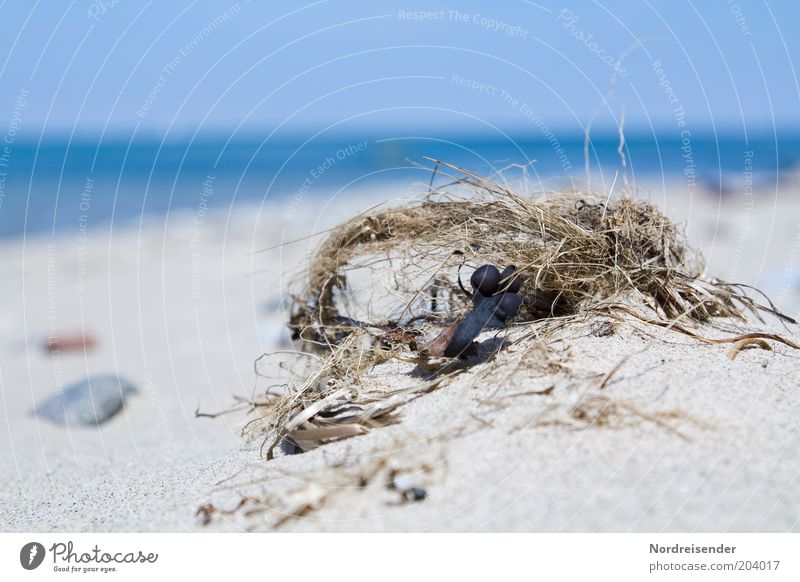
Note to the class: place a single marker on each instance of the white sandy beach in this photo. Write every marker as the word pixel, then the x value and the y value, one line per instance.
pixel 181 307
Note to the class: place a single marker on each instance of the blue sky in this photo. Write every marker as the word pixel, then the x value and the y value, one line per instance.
pixel 174 67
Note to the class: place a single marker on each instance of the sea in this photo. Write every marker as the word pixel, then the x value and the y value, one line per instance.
pixel 56 183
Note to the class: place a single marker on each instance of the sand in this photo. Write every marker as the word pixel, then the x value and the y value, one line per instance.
pixel 181 307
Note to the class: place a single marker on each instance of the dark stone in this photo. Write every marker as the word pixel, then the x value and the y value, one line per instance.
pixel 485 279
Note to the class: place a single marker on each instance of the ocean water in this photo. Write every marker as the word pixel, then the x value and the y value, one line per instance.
pixel 56 184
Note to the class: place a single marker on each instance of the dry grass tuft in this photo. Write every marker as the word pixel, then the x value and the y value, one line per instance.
pixel 578 254
pixel 273 499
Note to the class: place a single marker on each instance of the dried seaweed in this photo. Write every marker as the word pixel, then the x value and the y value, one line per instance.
pixel 595 410
pixel 746 342
pixel 580 255
pixel 300 494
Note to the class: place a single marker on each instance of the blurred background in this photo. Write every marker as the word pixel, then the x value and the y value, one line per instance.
pixel 136 105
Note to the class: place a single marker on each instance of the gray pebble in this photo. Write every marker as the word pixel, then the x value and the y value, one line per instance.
pixel 89 402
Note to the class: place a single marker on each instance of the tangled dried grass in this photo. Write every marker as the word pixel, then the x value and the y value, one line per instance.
pixel 574 248
pixel 277 498
pixel 576 251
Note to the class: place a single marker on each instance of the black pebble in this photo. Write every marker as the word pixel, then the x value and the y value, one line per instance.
pixel 512 285
pixel 486 279
pixel 509 305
